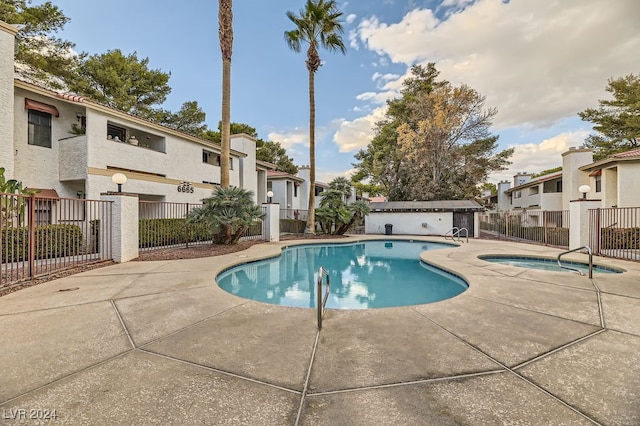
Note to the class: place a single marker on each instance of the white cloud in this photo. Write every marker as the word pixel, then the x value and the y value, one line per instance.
pixel 327 176
pixel 356 134
pixel 378 98
pixel 353 39
pixel 537 62
pixel 350 18
pixel 536 157
pixel 291 139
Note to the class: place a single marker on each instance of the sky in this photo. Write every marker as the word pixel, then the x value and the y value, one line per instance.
pixel 538 62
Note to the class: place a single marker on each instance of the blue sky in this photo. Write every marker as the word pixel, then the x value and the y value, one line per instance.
pixel 537 62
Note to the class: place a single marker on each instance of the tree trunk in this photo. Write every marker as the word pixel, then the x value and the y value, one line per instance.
pixel 226 124
pixel 225 33
pixel 311 220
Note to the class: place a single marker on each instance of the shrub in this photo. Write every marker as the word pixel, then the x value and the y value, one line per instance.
pixel 50 241
pixel 620 238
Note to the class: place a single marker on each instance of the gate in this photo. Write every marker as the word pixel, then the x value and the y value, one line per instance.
pixel 40 236
pixel 615 232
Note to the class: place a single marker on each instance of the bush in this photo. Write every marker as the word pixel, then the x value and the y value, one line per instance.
pixel 50 241
pixel 292 226
pixel 620 238
pixel 163 232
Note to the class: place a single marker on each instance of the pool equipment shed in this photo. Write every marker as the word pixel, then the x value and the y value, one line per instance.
pixel 424 217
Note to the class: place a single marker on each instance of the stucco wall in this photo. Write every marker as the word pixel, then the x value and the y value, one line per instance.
pixel 6 98
pixel 628 177
pixel 411 223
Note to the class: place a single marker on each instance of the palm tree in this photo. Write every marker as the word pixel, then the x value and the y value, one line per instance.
pixel 225 33
pixel 318 24
pixel 228 213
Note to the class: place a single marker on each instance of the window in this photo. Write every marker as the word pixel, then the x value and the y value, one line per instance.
pixel 210 158
pixel 598 183
pixel 517 194
pixel 116 133
pixel 559 186
pixel 534 190
pixel 39 128
pixel 295 189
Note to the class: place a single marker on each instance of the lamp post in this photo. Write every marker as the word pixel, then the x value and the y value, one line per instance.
pixel 269 196
pixel 584 189
pixel 119 179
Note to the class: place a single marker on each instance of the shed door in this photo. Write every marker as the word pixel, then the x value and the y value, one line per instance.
pixel 464 220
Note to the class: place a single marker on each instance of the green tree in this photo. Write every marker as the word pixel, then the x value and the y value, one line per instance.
pixel 489 186
pixel 273 152
pixel 317 25
pixel 382 164
pixel 334 215
pixel 225 33
pixel 229 213
pixel 547 171
pixel 234 128
pixel 617 120
pixel 41 54
pixel 435 143
pixel 13 207
pixel 342 185
pixel 189 119
pixel 122 82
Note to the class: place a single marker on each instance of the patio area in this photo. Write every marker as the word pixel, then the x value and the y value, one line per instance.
pixel 159 343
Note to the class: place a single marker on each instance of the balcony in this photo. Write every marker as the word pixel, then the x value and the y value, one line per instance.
pixel 135 137
pixel 72 158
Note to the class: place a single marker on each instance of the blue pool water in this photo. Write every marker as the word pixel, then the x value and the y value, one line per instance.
pixel 547 264
pixel 363 275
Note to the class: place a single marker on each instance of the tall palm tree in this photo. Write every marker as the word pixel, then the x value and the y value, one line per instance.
pixel 318 24
pixel 225 33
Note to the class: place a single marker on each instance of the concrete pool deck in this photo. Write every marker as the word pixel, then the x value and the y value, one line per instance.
pixel 160 343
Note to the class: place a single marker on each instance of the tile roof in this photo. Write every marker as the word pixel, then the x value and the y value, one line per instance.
pixel 632 153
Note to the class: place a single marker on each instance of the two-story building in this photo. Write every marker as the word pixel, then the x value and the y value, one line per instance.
pixel 608 180
pixel 71 146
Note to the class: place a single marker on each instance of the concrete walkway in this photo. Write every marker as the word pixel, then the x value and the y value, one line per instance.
pixel 160 343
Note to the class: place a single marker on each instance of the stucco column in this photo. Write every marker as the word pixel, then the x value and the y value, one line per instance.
pixel 124 233
pixel 579 222
pixel 272 231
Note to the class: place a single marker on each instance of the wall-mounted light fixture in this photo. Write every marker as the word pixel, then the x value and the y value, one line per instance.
pixel 584 189
pixel 119 179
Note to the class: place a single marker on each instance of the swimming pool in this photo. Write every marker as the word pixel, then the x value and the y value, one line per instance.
pixel 547 264
pixel 364 275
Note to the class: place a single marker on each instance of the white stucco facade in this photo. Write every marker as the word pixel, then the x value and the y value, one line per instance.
pixel 7 43
pixel 160 164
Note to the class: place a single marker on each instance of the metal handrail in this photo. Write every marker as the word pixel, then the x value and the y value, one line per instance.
pixel 466 233
pixel 453 232
pixel 576 269
pixel 322 300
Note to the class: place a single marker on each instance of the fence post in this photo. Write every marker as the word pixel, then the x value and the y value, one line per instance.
pixel 186 223
pixel 273 222
pixel 31 234
pixel 124 238
pixel 579 222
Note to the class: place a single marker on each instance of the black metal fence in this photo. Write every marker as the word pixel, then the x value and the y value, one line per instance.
pixel 164 225
pixel 615 232
pixel 40 236
pixel 550 228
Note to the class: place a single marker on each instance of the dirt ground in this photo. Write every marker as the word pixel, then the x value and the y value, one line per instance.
pixel 205 250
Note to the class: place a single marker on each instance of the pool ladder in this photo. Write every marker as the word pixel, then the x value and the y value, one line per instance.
pixel 454 234
pixel 322 298
pixel 588 249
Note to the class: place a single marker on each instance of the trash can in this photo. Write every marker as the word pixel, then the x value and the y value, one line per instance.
pixel 388 229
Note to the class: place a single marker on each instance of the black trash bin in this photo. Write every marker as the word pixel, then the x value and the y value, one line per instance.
pixel 388 229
